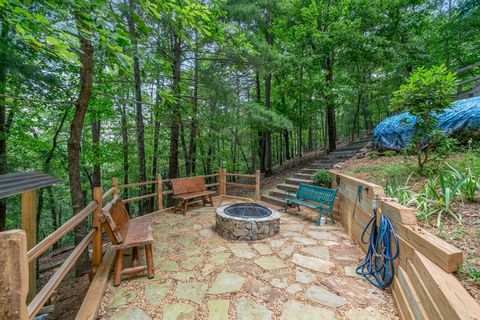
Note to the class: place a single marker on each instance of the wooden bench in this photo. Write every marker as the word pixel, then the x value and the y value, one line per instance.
pixel 186 189
pixel 125 234
pixel 314 197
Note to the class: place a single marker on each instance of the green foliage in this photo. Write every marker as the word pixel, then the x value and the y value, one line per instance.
pixel 427 92
pixel 390 153
pixel 373 155
pixel 322 178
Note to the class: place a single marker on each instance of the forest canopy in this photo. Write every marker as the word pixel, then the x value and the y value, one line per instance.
pixel 91 90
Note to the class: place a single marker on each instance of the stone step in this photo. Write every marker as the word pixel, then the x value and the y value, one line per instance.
pixel 289 187
pixel 321 166
pixel 298 181
pixel 304 176
pixel 308 171
pixel 280 193
pixel 273 200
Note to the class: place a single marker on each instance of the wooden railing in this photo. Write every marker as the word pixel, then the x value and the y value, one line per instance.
pixel 15 259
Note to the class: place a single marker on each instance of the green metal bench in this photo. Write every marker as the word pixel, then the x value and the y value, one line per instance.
pixel 314 197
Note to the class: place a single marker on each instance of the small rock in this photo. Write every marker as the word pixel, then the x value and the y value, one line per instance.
pixel 294 288
pixel 169 266
pixel 322 235
pixel 191 263
pixel 286 252
pixel 241 250
pixel 317 251
pixel 304 241
pixel 219 258
pixel 182 276
pixel 355 290
pixel 263 291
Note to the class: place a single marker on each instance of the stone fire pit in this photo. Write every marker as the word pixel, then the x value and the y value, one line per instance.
pixel 247 221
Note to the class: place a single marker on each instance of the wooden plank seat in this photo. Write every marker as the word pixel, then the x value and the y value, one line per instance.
pixel 317 198
pixel 186 189
pixel 125 233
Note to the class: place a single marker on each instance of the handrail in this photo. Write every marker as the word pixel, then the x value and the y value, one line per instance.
pixel 242 175
pixel 57 278
pixel 108 193
pixel 136 184
pixel 139 198
pixel 40 248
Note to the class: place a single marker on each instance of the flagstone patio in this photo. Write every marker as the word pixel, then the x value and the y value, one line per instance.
pixel 304 272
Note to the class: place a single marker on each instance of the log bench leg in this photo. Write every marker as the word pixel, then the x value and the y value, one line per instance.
pixel 134 256
pixel 118 268
pixel 149 258
pixel 185 206
pixel 210 197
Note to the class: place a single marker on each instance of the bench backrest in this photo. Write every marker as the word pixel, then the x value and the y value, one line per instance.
pixel 116 220
pixel 188 185
pixel 317 194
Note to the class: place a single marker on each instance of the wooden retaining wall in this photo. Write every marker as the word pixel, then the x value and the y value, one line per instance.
pixel 424 287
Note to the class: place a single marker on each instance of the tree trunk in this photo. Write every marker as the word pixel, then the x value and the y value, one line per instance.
pixel 287 144
pixel 125 148
pixel 96 126
pixel 156 134
pixel 331 124
pixel 192 148
pixel 140 127
pixel 74 141
pixel 175 116
pixel 3 139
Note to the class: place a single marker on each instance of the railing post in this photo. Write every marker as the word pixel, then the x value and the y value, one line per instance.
pixel 257 185
pixel 13 275
pixel 159 192
pixel 29 224
pixel 97 225
pixel 115 185
pixel 222 180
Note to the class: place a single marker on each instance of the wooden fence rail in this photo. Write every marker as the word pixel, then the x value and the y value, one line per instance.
pixel 15 275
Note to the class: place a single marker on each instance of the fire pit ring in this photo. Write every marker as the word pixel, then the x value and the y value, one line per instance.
pixel 247 221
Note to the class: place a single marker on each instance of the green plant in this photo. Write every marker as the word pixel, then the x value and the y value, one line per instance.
pixel 402 193
pixel 373 155
pixel 473 273
pixel 322 178
pixel 427 92
pixel 469 184
pixel 390 153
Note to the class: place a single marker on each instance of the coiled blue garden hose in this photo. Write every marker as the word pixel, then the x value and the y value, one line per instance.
pixel 378 266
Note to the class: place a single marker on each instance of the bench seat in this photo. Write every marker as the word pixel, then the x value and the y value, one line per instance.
pixel 139 233
pixel 186 189
pixel 189 196
pixel 314 197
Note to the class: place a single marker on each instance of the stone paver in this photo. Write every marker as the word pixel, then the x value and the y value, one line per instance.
pixel 178 311
pixel 262 248
pixel 121 298
pixel 300 311
pixel 270 263
pixel 154 293
pixel 317 251
pixel 355 290
pixel 305 272
pixel 130 313
pixel 304 276
pixel 364 314
pixel 249 310
pixel 315 264
pixel 324 296
pixel 218 309
pixel 263 291
pixel 241 250
pixel 227 282
pixel 193 291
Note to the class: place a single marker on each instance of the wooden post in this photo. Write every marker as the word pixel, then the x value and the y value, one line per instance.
pixel 115 184
pixel 13 275
pixel 29 225
pixel 159 192
pixel 97 225
pixel 222 180
pixel 257 185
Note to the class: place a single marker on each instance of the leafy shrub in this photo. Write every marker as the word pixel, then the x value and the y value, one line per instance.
pixel 390 153
pixel 373 155
pixel 427 91
pixel 322 178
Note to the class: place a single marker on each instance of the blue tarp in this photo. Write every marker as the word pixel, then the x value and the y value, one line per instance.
pixel 396 132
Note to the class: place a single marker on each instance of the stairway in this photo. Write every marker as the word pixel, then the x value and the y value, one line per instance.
pixel 305 175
